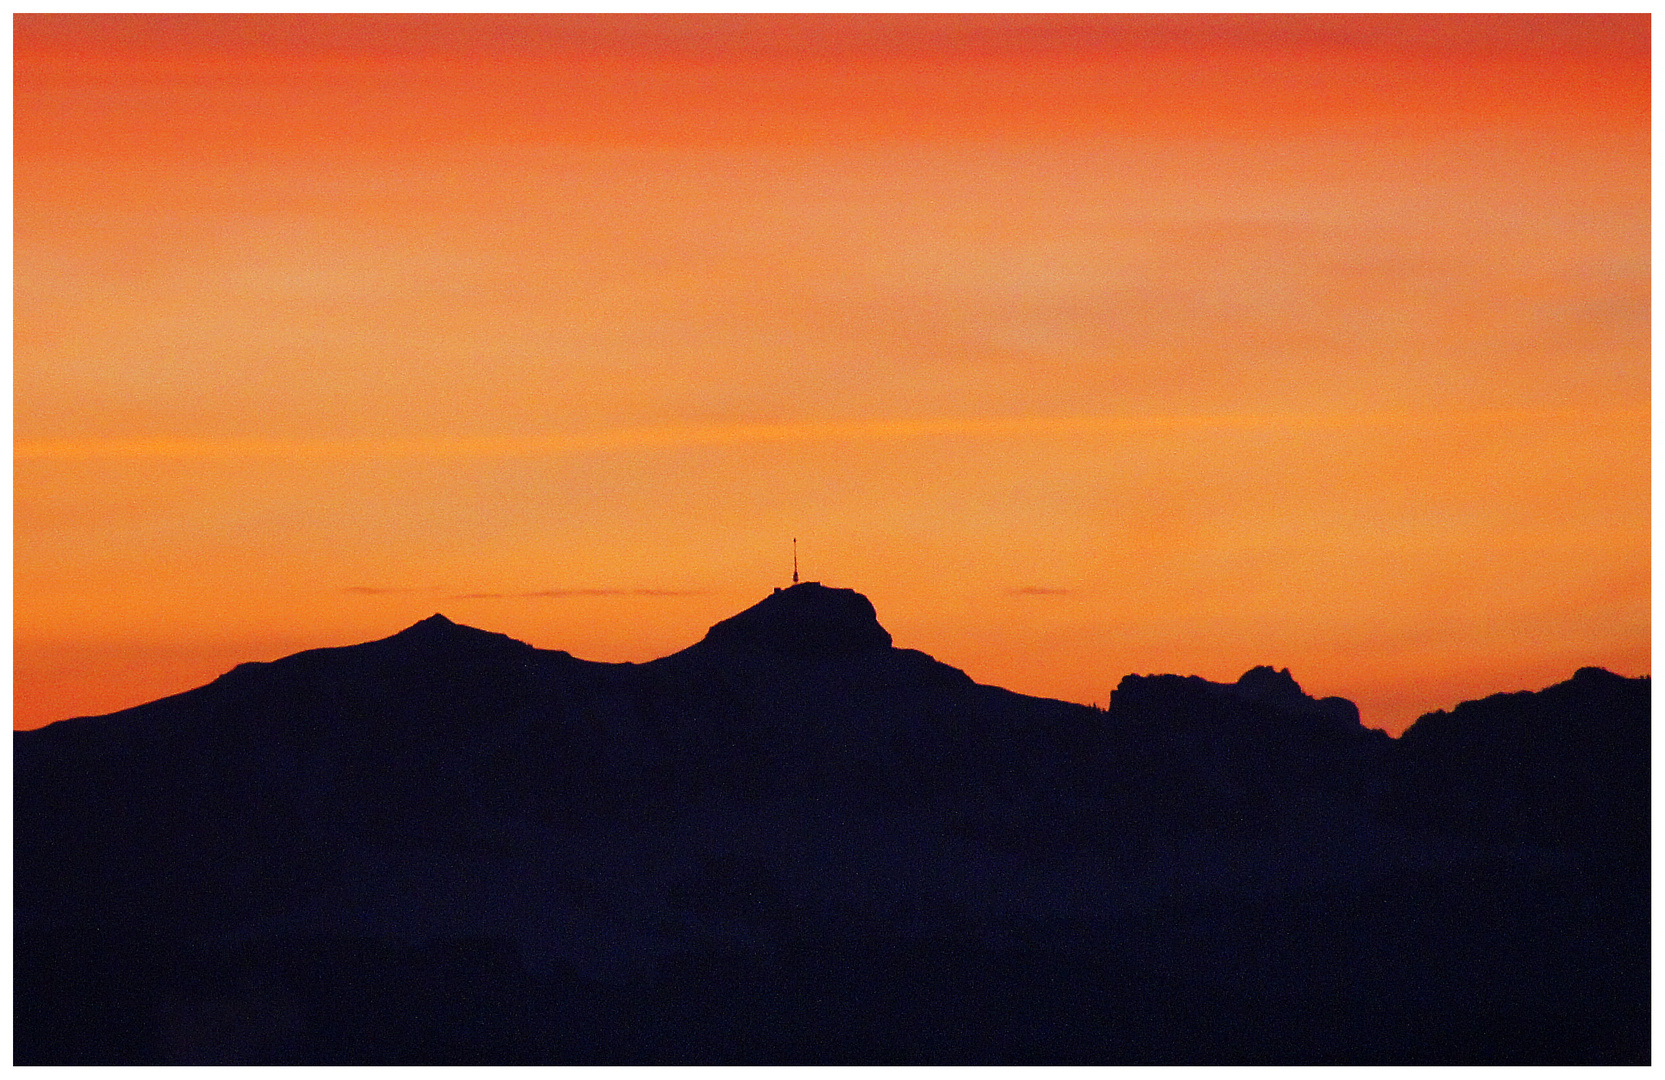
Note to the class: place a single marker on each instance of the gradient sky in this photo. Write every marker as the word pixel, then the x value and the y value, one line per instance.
pixel 1083 345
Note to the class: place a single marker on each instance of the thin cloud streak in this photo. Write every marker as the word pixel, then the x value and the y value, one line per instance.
pixel 681 436
pixel 562 593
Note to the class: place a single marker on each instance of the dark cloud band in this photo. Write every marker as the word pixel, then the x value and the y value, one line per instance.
pixel 562 593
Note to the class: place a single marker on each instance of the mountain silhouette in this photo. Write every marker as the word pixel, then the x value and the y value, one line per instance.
pixel 806 620
pixel 794 843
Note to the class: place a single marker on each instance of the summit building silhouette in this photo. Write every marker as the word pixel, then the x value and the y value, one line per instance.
pixel 794 842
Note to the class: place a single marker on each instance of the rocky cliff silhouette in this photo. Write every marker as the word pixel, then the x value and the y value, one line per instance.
pixel 794 843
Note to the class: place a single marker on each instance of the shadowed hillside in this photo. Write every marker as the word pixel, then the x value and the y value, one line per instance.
pixel 795 843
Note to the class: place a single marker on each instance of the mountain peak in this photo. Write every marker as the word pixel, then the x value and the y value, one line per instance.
pixel 1598 676
pixel 437 630
pixel 806 619
pixel 1265 683
pixel 434 625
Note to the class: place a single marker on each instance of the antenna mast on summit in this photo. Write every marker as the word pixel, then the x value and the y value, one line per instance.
pixel 794 560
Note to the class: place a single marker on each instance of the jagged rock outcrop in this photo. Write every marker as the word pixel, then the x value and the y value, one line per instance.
pixel 1158 699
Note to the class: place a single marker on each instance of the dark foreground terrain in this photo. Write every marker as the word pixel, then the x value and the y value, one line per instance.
pixel 793 843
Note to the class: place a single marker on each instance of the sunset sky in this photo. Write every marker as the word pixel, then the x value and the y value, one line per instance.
pixel 1083 345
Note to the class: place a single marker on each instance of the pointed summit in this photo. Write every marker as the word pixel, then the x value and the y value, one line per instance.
pixel 436 631
pixel 435 626
pixel 807 619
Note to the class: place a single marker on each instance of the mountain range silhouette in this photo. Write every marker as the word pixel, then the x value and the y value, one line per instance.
pixel 794 843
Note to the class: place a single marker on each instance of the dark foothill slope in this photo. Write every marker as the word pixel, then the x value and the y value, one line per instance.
pixel 793 842
pixel 1565 767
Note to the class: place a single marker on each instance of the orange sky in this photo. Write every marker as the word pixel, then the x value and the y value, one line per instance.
pixel 1083 345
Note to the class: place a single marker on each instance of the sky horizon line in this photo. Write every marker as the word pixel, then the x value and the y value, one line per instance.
pixel 655 593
